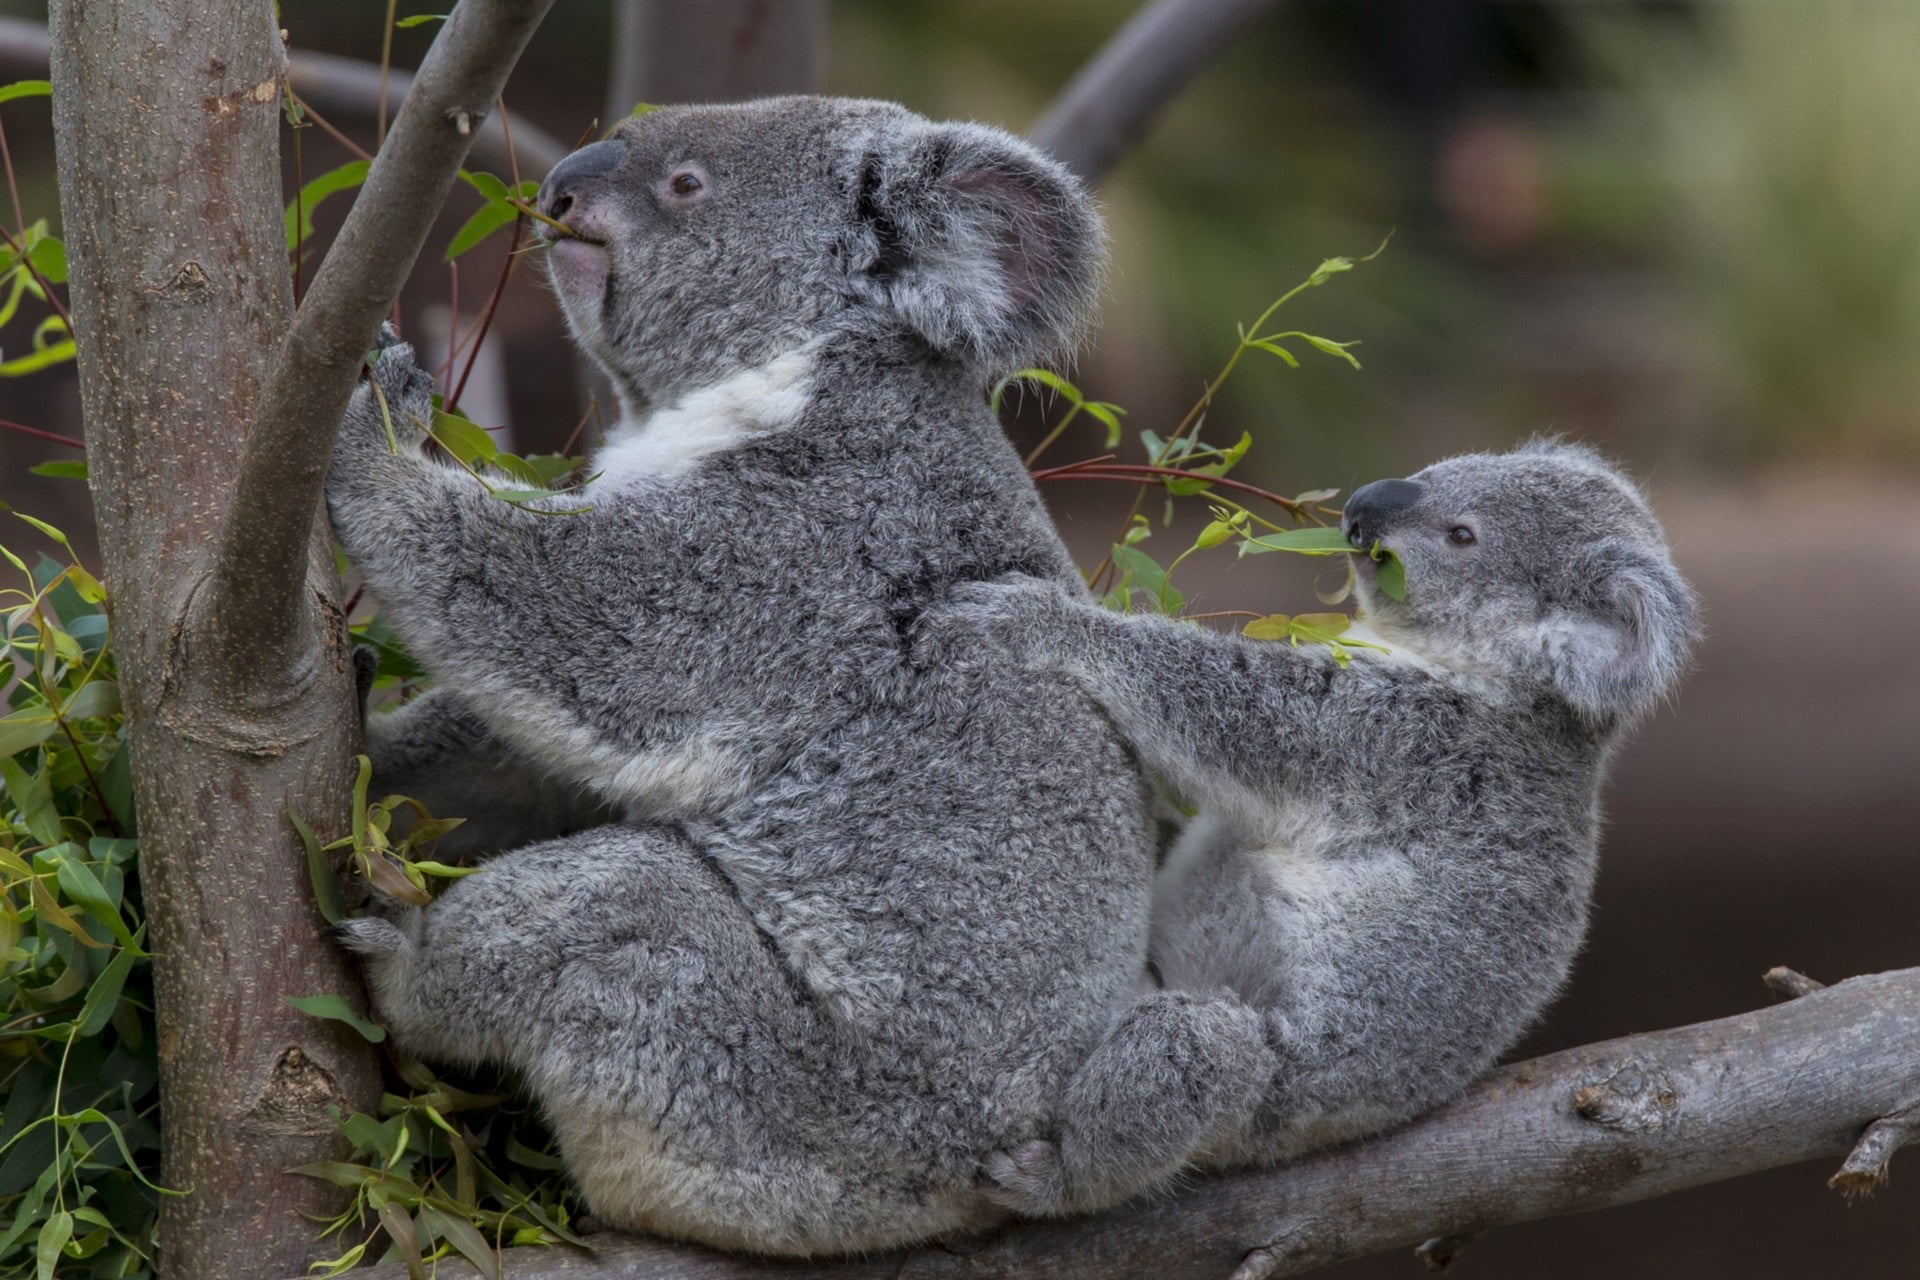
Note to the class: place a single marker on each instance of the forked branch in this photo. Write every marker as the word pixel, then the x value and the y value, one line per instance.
pixel 261 555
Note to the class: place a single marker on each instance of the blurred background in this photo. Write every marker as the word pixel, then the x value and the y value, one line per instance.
pixel 1687 233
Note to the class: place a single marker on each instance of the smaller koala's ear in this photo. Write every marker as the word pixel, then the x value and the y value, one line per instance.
pixel 1612 662
pixel 982 245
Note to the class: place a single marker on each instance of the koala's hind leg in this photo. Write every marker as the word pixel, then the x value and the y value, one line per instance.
pixel 689 1080
pixel 1177 1070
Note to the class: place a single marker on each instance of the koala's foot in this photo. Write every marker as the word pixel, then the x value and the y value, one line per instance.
pixel 371 937
pixel 1031 1179
pixel 1177 1071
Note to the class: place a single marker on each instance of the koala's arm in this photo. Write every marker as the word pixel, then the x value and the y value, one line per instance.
pixel 1214 712
pixel 472 582
pixel 437 750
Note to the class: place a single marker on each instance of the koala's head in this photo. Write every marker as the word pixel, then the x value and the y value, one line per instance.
pixel 709 239
pixel 1545 563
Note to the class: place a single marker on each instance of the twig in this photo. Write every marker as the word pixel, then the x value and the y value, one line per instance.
pixel 1671 1110
pixel 1146 473
pixel 38 434
pixel 262 550
pixel 1865 1170
pixel 1109 105
pixel 1786 982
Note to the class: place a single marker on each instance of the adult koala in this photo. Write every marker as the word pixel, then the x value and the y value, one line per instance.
pixel 867 912
pixel 1394 856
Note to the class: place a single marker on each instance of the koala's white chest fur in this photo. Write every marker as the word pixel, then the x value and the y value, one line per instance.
pixel 670 441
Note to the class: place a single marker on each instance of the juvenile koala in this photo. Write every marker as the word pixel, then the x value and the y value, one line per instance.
pixel 864 913
pixel 1394 857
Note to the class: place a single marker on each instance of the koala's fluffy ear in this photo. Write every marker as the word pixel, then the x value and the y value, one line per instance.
pixel 1614 661
pixel 982 245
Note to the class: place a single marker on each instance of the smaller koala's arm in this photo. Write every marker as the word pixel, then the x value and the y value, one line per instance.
pixel 1213 712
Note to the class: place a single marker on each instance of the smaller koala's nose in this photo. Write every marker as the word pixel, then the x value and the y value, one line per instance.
pixel 562 187
pixel 1372 507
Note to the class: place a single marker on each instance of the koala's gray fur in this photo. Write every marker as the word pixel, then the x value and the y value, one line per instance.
pixel 866 912
pixel 1393 859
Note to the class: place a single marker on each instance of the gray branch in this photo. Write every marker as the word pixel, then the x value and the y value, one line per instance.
pixel 264 542
pixel 338 88
pixel 1109 105
pixel 1834 1073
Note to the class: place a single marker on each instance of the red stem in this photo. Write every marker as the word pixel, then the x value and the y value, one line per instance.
pixel 1146 474
pixel 38 434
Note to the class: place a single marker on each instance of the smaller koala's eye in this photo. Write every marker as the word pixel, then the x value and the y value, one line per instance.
pixel 1461 536
pixel 685 183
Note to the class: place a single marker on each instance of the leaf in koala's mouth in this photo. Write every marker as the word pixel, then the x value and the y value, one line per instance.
pixel 1389 574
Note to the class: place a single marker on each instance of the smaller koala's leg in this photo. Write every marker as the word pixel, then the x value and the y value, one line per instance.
pixel 1177 1070
pixel 436 750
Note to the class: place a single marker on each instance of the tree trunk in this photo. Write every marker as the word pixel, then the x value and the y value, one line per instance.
pixel 166 117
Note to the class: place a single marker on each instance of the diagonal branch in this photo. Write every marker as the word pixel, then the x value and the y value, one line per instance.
pixel 1111 102
pixel 262 551
pixel 1587 1128
pixel 333 85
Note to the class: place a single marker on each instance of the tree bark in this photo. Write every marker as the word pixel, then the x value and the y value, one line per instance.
pixel 208 430
pixel 712 51
pixel 1835 1073
pixel 166 119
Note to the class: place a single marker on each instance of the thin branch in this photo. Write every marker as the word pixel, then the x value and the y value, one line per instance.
pixel 1111 102
pixel 261 554
pixel 25 430
pixel 1602 1125
pixel 344 87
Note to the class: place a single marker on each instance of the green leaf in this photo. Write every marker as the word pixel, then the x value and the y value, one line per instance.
pixel 463 439
pixel 26 89
pixel 25 729
pixel 62 468
pixel 1314 541
pixel 1146 572
pixel 420 19
pixel 33 797
pixel 1333 348
pixel 1275 626
pixel 97 699
pixel 1274 348
pixel 336 1009
pixel 326 886
pixel 486 220
pixel 84 888
pixel 1333 267
pixel 48 256
pixel 462 1235
pixel 299 215
pixel 1391 576
pixel 54 1234
pixel 642 108
pixel 105 991
pixel 42 357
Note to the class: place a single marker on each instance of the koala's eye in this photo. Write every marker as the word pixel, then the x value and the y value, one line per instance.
pixel 685 183
pixel 1461 536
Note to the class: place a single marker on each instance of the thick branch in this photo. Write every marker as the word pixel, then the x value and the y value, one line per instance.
pixel 337 87
pixel 1601 1125
pixel 260 556
pixel 1109 105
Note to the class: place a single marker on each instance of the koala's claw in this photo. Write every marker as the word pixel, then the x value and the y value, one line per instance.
pixel 1031 1179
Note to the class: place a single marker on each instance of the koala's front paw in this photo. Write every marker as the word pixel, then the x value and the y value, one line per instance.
pixel 397 394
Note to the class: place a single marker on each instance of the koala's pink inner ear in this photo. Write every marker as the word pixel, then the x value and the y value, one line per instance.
pixel 1027 228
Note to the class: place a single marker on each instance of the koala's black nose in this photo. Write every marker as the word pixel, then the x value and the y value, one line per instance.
pixel 1372 507
pixel 563 184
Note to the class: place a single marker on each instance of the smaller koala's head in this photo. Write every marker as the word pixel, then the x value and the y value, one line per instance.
pixel 1545 563
pixel 710 239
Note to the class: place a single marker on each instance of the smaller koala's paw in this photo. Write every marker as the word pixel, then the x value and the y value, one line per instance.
pixel 370 937
pixel 1031 1179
